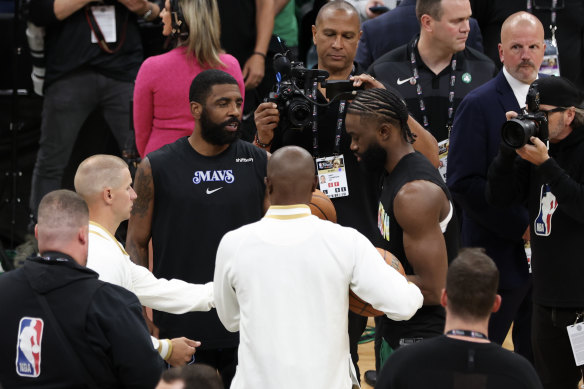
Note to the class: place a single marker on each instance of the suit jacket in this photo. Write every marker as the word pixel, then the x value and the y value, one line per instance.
pixel 474 143
pixel 395 28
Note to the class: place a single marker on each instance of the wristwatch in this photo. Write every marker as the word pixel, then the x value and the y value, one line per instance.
pixel 147 13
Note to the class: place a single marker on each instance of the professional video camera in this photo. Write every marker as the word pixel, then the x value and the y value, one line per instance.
pixel 294 91
pixel 517 131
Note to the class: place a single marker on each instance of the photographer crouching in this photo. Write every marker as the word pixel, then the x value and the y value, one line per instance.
pixel 541 162
pixel 318 125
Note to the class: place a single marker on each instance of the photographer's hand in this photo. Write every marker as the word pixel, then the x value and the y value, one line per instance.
pixel 141 7
pixel 536 153
pixel 367 81
pixel 511 114
pixel 266 118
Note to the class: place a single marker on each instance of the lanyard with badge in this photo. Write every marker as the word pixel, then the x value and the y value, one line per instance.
pixel 332 174
pixel 551 61
pixel 444 143
pixel 102 22
pixel 576 335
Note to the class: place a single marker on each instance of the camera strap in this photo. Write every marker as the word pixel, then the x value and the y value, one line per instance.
pixel 339 125
pixel 314 121
pixel 338 128
pixel 420 93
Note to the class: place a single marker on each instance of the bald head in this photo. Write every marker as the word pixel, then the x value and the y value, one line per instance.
pixel 333 6
pixel 522 46
pixel 62 216
pixel 97 173
pixel 291 176
pixel 520 19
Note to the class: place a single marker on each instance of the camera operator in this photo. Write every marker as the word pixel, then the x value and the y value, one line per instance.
pixel 336 34
pixel 551 181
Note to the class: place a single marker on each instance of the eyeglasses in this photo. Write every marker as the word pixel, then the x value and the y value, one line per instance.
pixel 548 111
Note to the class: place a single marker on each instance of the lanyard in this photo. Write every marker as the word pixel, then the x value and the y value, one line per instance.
pixel 420 93
pixel 470 334
pixel 338 129
pixel 531 4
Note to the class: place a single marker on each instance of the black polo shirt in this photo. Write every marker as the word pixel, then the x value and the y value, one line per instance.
pixel 394 68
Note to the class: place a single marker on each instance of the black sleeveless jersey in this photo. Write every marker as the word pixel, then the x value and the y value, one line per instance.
pixel 429 320
pixel 197 199
pixel 412 167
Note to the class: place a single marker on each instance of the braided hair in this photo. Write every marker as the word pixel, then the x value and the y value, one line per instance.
pixel 386 107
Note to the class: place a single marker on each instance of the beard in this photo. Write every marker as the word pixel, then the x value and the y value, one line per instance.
pixel 216 134
pixel 374 157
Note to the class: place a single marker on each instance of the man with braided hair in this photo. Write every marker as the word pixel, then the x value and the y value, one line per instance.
pixel 415 213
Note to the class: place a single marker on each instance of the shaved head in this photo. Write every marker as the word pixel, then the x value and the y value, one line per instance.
pixel 520 19
pixel 97 173
pixel 291 176
pixel 522 46
pixel 62 213
pixel 335 5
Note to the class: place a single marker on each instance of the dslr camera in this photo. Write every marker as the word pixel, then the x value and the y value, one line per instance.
pixel 517 131
pixel 293 92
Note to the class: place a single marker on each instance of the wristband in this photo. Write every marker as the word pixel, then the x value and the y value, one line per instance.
pixel 256 140
pixel 259 53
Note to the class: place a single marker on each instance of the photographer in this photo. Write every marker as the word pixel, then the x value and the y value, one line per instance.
pixel 551 181
pixel 336 35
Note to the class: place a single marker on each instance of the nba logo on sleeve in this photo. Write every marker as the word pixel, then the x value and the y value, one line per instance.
pixel 28 347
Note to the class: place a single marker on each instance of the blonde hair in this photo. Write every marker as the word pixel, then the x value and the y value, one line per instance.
pixel 203 42
pixel 97 173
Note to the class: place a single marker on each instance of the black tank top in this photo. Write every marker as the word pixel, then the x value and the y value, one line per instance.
pixel 429 320
pixel 197 200
pixel 412 167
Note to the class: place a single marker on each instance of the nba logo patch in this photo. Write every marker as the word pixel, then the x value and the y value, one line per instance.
pixel 28 347
pixel 547 206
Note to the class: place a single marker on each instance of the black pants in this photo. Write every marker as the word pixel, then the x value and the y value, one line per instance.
pixel 357 324
pixel 224 360
pixel 515 308
pixel 67 104
pixel 554 360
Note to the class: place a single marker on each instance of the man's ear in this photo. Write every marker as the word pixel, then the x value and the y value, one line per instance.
pixel 443 298
pixel 497 303
pixel 384 131
pixel 426 22
pixel 314 34
pixel 315 184
pixel 196 110
pixel 108 198
pixel 36 231
pixel 570 113
pixel 83 234
pixel 269 187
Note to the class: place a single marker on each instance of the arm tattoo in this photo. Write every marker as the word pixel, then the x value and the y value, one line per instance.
pixel 145 190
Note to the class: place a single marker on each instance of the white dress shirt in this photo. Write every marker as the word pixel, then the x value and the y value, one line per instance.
pixel 109 259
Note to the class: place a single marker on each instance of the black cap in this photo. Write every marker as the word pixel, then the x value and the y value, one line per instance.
pixel 556 91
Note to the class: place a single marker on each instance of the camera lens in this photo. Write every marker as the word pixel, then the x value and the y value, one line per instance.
pixel 299 112
pixel 516 132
